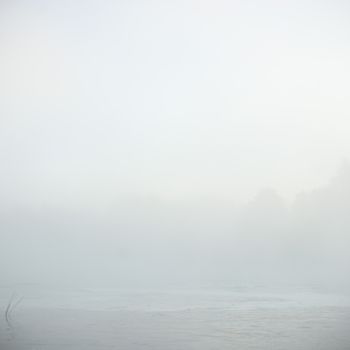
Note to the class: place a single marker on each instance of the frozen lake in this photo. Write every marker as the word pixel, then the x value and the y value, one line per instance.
pixel 237 318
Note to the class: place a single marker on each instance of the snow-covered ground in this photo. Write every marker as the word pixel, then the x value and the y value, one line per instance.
pixel 239 318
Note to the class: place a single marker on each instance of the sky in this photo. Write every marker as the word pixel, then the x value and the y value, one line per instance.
pixel 171 99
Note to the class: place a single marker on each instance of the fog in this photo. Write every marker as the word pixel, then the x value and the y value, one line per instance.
pixel 175 145
pixel 137 140
pixel 152 242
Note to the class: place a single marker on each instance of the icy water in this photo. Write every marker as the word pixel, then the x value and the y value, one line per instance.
pixel 237 318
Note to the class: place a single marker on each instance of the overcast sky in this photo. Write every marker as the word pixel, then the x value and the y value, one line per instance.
pixel 172 98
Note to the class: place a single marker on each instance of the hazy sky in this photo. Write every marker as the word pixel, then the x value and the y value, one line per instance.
pixel 172 98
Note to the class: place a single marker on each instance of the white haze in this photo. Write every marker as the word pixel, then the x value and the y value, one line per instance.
pixel 174 143
pixel 148 242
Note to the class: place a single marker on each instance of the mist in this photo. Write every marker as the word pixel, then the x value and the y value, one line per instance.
pixel 152 242
pixel 174 174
